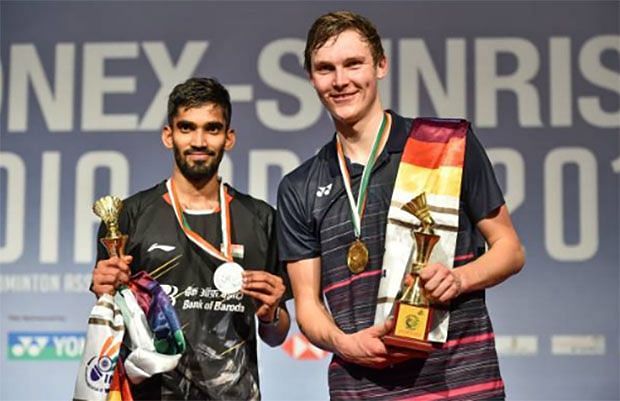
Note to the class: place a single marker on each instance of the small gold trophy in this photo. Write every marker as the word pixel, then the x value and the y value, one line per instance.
pixel 108 209
pixel 412 311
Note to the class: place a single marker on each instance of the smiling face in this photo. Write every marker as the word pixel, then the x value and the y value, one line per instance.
pixel 198 137
pixel 345 77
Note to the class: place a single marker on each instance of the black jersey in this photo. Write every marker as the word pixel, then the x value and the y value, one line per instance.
pixel 220 361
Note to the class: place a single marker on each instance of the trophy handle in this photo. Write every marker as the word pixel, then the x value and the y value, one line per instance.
pixel 414 293
pixel 115 246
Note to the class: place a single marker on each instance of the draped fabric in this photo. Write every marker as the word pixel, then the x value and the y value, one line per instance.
pixel 154 341
pixel 160 314
pixel 432 162
pixel 119 387
pixel 103 342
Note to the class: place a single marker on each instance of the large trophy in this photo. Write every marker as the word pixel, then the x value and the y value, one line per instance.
pixel 412 311
pixel 108 209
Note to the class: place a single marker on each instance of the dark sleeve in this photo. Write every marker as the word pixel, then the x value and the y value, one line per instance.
pixel 480 191
pixel 273 263
pixel 296 238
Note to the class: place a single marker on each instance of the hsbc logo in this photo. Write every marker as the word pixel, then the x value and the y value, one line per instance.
pixel 30 346
pixel 298 347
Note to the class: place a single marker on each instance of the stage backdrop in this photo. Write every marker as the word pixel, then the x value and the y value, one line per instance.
pixel 82 96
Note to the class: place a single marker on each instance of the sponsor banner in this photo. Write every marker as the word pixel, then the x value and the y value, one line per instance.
pixel 83 89
pixel 578 345
pixel 44 283
pixel 37 346
pixel 516 345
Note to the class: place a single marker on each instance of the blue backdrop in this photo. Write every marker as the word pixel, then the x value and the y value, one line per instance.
pixel 83 87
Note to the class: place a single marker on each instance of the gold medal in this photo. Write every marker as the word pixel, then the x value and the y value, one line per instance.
pixel 357 257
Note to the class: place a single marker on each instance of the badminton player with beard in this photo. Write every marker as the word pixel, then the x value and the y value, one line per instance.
pixel 211 247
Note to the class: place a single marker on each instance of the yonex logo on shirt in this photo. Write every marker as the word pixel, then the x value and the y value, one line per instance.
pixel 323 191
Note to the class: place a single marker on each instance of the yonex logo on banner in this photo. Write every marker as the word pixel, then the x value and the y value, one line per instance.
pixel 30 346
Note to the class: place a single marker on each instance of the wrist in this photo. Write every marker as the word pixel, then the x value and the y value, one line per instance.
pixel 461 277
pixel 339 342
pixel 274 321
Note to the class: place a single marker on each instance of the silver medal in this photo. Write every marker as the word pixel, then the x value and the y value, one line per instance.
pixel 228 278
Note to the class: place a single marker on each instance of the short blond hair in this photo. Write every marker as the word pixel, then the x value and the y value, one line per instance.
pixel 333 24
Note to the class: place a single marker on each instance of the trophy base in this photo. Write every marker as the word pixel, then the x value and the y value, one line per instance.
pixel 424 347
pixel 411 328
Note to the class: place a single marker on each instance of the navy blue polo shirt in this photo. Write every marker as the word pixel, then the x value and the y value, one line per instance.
pixel 314 220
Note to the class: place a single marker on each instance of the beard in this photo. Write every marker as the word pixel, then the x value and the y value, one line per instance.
pixel 201 170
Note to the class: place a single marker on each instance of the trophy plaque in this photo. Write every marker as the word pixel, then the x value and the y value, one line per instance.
pixel 412 310
pixel 108 209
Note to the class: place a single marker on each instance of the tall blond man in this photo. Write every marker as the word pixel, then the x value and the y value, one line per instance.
pixel 335 206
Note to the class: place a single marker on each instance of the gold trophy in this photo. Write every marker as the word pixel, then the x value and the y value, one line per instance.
pixel 108 209
pixel 412 311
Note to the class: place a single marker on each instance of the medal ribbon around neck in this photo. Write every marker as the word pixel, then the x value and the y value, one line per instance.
pixel 196 238
pixel 357 209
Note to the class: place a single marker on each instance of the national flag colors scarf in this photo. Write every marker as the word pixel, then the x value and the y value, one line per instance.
pixel 432 162
pixel 119 387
